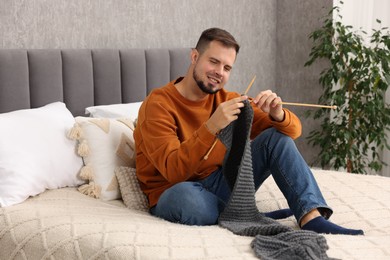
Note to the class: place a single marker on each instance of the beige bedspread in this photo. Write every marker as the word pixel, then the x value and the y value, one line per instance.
pixel 65 224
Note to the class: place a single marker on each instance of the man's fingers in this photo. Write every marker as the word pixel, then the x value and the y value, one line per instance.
pixel 227 112
pixel 267 99
pixel 261 96
pixel 276 102
pixel 237 111
pixel 237 99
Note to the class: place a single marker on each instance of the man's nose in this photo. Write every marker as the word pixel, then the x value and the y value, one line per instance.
pixel 219 71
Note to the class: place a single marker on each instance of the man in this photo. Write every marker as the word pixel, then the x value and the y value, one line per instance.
pixel 179 158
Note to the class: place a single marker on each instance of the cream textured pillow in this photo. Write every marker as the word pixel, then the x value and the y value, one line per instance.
pixel 132 195
pixel 35 153
pixel 104 144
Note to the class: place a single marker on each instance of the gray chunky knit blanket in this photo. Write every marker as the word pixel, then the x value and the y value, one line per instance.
pixel 241 215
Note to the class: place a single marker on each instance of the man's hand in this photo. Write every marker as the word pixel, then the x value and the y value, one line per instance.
pixel 270 103
pixel 225 113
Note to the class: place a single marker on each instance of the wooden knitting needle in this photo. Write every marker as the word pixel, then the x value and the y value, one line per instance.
pixel 291 103
pixel 307 105
pixel 304 105
pixel 209 151
pixel 250 85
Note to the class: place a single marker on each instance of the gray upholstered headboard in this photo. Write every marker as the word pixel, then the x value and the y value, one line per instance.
pixel 84 77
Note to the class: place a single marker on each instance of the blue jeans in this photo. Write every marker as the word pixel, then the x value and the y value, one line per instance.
pixel 201 202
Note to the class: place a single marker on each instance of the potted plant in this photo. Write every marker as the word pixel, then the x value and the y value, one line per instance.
pixel 356 79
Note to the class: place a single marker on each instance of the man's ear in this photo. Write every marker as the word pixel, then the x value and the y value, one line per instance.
pixel 194 56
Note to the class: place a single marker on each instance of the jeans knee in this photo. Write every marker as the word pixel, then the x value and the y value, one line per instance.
pixel 188 203
pixel 273 136
pixel 284 139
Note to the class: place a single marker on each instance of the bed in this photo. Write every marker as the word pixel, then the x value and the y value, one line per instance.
pixel 57 201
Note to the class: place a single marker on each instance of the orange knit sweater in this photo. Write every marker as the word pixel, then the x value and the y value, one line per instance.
pixel 172 139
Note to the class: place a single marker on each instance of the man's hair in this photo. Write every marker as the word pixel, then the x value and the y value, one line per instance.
pixel 216 34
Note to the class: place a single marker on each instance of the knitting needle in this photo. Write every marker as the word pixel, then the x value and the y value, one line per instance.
pixel 290 103
pixel 307 105
pixel 250 85
pixel 212 147
pixel 304 105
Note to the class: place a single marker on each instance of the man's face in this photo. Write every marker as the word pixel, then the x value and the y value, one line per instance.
pixel 212 68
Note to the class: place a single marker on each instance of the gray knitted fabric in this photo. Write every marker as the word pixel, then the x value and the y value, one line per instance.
pixel 241 215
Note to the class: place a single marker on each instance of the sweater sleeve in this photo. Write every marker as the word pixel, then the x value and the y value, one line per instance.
pixel 291 125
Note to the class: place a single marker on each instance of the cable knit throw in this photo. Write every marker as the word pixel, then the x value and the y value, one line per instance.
pixel 241 215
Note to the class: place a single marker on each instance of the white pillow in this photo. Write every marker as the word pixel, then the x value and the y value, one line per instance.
pixel 132 195
pixel 129 110
pixel 104 144
pixel 35 153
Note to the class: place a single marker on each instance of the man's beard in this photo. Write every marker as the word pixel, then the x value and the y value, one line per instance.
pixel 206 89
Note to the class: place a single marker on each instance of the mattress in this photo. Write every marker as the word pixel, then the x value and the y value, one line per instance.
pixel 65 224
